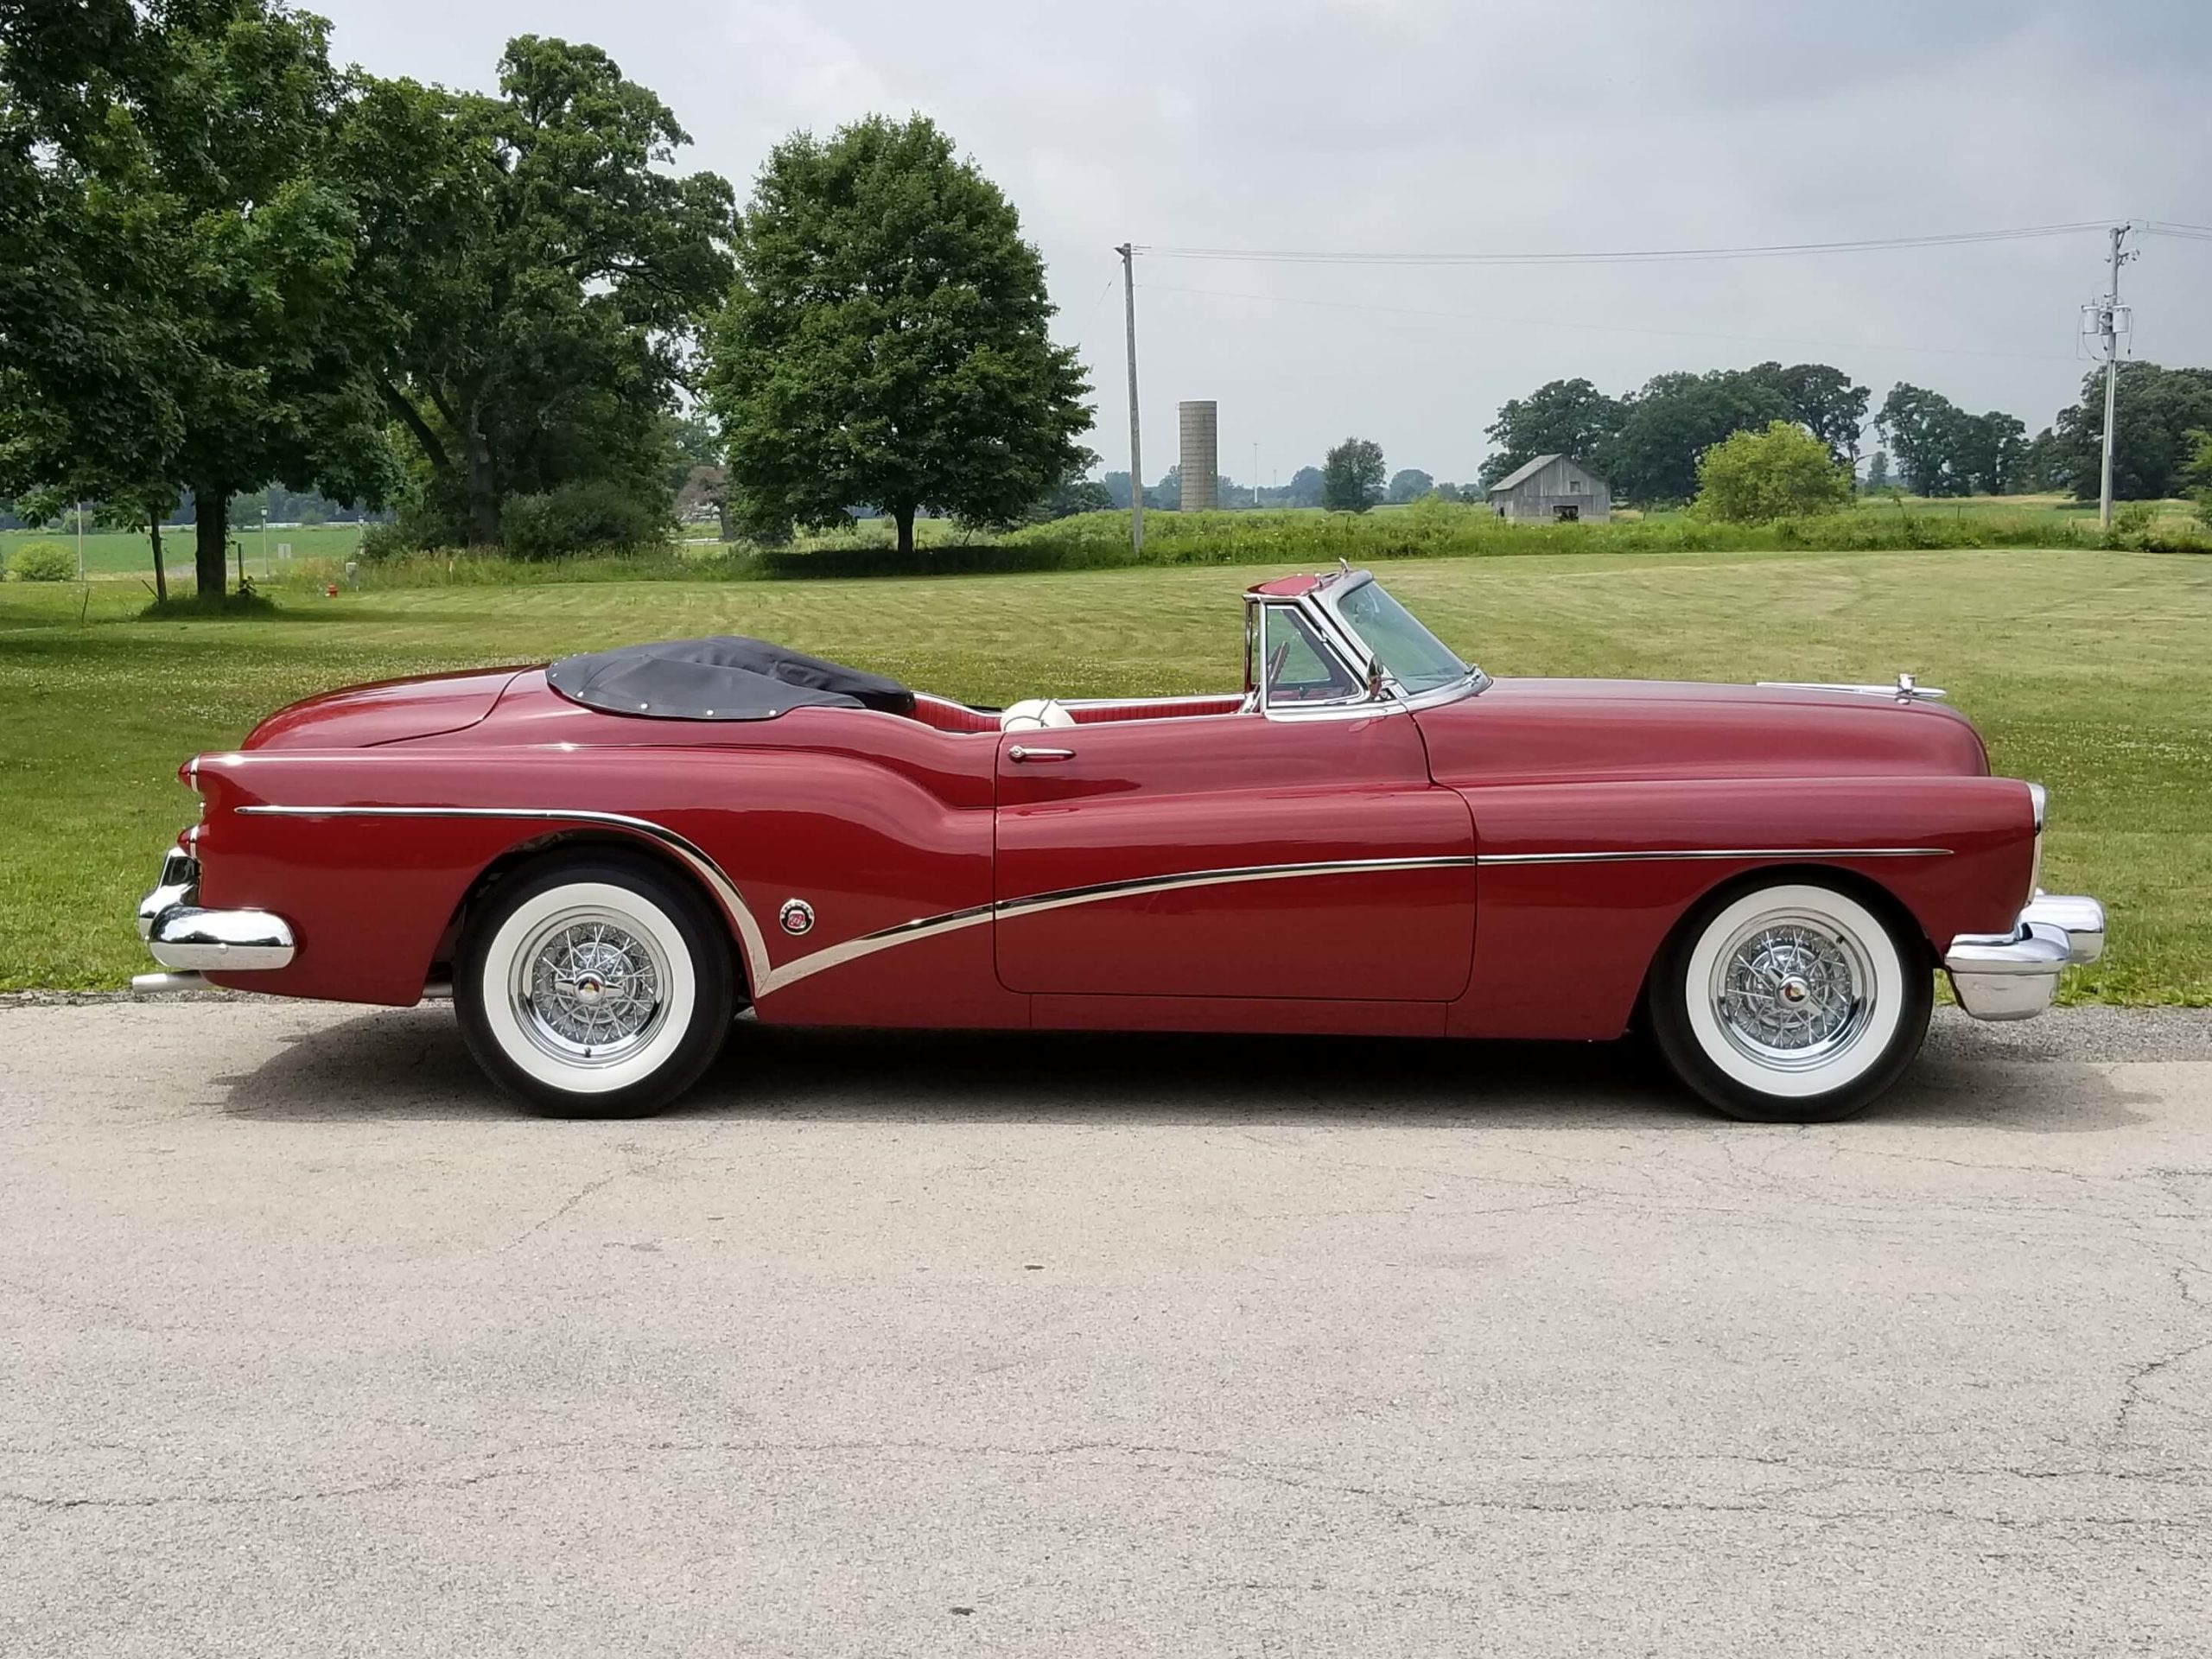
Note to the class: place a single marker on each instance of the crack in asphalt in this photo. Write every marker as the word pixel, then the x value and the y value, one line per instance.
pixel 634 1167
pixel 1183 1461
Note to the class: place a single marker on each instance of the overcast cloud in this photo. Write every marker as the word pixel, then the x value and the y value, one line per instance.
pixel 1525 125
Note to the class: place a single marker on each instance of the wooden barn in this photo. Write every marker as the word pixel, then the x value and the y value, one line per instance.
pixel 1552 490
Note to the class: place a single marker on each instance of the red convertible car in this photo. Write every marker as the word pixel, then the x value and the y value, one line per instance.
pixel 604 862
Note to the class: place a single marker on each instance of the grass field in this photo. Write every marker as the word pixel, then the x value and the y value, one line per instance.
pixel 2091 671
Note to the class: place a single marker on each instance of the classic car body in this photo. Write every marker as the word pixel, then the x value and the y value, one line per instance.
pixel 1369 837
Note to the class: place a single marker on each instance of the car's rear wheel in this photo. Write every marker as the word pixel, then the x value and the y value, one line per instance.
pixel 1790 1002
pixel 595 985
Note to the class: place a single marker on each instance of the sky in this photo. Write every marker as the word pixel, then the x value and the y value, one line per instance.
pixel 1511 126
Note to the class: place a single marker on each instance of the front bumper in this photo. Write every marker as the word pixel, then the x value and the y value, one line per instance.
pixel 2015 975
pixel 184 936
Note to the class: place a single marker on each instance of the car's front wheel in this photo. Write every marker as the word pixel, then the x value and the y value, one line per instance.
pixel 595 985
pixel 1791 1002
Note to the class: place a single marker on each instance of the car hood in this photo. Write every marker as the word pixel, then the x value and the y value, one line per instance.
pixel 389 711
pixel 1534 730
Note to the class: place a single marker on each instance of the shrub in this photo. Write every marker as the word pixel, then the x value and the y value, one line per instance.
pixel 1755 478
pixel 383 541
pixel 42 561
pixel 2144 527
pixel 590 515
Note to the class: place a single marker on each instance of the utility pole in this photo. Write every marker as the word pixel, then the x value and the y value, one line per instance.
pixel 2109 321
pixel 1255 476
pixel 80 541
pixel 1136 447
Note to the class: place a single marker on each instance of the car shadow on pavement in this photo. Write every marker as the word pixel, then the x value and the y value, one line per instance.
pixel 410 1064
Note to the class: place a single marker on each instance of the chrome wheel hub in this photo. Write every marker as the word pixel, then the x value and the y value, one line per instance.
pixel 589 988
pixel 1792 991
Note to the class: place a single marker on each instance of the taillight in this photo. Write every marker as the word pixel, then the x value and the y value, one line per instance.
pixel 188 775
pixel 2039 799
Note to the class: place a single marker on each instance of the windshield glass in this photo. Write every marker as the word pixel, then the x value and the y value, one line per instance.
pixel 1416 658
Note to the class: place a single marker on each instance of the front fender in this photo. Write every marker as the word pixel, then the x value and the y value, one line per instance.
pixel 1578 885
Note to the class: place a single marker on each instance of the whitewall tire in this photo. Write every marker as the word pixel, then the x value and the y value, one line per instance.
pixel 595 985
pixel 1792 1002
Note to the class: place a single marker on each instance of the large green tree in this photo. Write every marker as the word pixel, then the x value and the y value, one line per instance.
pixel 885 343
pixel 2196 475
pixel 2042 464
pixel 1305 489
pixel 1647 443
pixel 188 322
pixel 1824 402
pixel 1673 419
pixel 1994 451
pixel 1561 417
pixel 543 273
pixel 1351 476
pixel 82 414
pixel 1943 450
pixel 2155 409
pixel 1926 431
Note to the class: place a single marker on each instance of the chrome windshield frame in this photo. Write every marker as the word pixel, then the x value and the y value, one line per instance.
pixel 1326 596
pixel 1318 606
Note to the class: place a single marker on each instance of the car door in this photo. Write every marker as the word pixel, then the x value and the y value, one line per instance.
pixel 1298 851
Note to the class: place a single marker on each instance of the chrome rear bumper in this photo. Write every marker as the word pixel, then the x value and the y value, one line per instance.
pixel 182 935
pixel 2015 975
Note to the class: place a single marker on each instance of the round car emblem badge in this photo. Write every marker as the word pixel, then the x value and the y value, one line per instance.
pixel 1795 990
pixel 796 916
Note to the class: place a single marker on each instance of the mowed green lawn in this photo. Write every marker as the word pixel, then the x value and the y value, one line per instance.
pixel 2091 671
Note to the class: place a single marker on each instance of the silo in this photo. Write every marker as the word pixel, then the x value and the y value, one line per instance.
pixel 1201 456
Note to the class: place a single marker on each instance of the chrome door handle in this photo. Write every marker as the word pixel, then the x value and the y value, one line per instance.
pixel 1020 754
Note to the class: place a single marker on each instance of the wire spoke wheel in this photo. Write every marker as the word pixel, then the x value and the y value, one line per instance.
pixel 595 985
pixel 1793 1001
pixel 587 989
pixel 1792 990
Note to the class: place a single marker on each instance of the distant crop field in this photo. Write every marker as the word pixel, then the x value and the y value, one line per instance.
pixel 1436 528
pixel 116 553
pixel 2088 670
pixel 1417 530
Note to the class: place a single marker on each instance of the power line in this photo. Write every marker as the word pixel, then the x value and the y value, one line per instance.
pixel 1091 317
pixel 1619 328
pixel 1628 255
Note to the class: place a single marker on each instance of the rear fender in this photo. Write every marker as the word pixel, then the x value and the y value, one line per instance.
pixel 371 858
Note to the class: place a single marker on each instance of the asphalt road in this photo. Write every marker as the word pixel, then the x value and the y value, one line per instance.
pixel 886 1345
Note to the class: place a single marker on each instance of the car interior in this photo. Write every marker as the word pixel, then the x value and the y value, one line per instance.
pixel 1298 667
